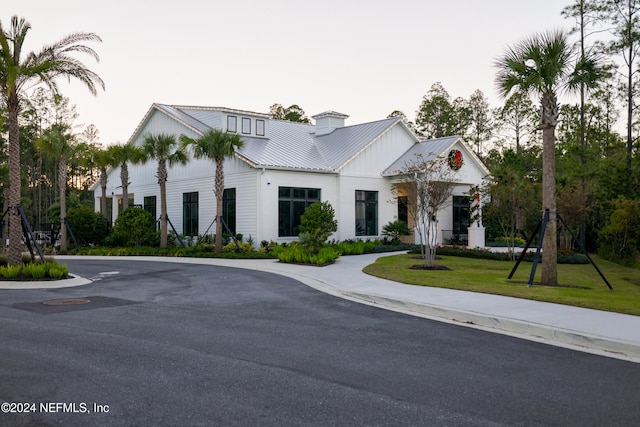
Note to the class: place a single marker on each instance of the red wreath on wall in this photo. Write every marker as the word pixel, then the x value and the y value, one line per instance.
pixel 455 159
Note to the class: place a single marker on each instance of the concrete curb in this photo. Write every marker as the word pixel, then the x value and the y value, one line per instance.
pixel 527 330
pixel 49 284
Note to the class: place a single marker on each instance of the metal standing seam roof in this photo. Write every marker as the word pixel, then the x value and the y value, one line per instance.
pixel 292 145
pixel 289 146
pixel 183 117
pixel 426 150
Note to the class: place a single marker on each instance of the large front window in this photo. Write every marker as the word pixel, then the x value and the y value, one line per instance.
pixel 366 213
pixel 190 214
pixel 229 208
pixel 291 205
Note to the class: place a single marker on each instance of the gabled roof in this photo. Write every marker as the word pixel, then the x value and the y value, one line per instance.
pixel 427 150
pixel 289 145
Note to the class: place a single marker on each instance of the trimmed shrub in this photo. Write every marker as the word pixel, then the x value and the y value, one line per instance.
pixel 37 271
pixel 563 258
pixel 58 271
pixel 134 227
pixel 299 255
pixel 357 247
pixel 88 227
pixel 10 271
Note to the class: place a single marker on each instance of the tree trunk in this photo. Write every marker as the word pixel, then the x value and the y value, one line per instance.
pixel 124 177
pixel 162 180
pixel 219 190
pixel 549 245
pixel 15 223
pixel 62 185
pixel 103 200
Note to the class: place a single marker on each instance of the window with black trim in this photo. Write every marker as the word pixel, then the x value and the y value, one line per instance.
pixel 366 213
pixel 246 125
pixel 259 127
pixel 232 123
pixel 403 209
pixel 292 203
pixel 229 208
pixel 190 214
pixel 149 205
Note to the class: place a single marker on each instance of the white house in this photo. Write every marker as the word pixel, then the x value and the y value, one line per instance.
pixel 284 166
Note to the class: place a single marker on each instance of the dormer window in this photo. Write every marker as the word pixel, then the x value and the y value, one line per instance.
pixel 232 124
pixel 246 125
pixel 259 127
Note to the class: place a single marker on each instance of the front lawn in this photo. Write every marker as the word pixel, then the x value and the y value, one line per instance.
pixel 490 276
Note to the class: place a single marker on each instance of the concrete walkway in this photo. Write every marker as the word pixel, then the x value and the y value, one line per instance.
pixel 599 332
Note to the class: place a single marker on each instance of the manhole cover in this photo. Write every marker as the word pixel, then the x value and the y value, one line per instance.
pixel 77 301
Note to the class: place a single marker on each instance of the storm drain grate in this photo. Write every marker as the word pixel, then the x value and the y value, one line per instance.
pixel 64 305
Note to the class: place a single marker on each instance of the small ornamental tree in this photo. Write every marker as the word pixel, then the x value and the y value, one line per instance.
pixel 134 227
pixel 316 225
pixel 430 183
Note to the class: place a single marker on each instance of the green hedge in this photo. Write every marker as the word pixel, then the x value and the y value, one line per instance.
pixel 563 258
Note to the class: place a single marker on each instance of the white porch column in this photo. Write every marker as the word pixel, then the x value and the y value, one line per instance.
pixel 476 236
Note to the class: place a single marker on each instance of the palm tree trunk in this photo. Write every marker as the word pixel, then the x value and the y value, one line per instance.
pixel 219 190
pixel 62 183
pixel 103 200
pixel 162 180
pixel 549 243
pixel 124 177
pixel 15 223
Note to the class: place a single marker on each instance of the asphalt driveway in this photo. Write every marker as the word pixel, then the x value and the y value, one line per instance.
pixel 158 343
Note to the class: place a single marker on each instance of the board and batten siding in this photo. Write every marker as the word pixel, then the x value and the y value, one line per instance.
pixel 380 154
pixel 387 206
pixel 270 180
pixel 247 210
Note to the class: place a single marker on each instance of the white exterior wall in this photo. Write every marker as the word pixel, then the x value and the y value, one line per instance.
pixel 364 173
pixel 270 180
pixel 379 155
pixel 244 179
pixel 257 189
pixel 387 206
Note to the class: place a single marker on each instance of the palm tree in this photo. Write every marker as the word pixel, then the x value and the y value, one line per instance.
pixel 122 155
pixel 17 73
pixel 215 145
pixel 102 160
pixel 57 144
pixel 164 148
pixel 542 65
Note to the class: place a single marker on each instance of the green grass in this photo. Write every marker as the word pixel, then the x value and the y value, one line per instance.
pixel 490 276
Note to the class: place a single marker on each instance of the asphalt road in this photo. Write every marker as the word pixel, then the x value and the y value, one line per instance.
pixel 176 344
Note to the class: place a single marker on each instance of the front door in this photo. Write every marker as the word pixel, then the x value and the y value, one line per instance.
pixel 460 219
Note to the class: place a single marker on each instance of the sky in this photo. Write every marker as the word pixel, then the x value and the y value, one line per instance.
pixel 363 58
